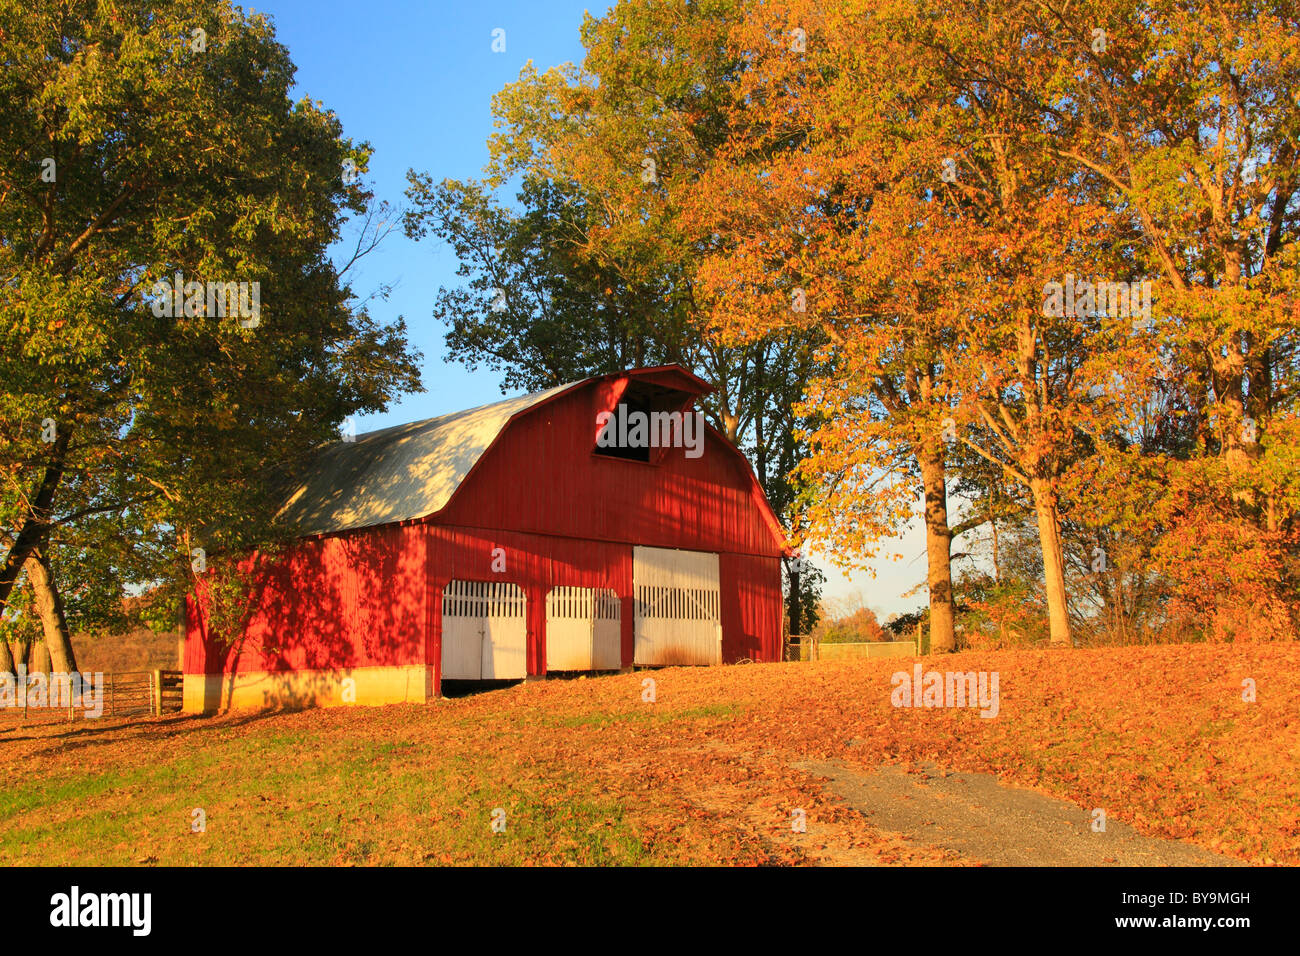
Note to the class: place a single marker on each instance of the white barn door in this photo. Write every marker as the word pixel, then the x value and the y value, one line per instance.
pixel 484 631
pixel 678 607
pixel 583 631
pixel 607 642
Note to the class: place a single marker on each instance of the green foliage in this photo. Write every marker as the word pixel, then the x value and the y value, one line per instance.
pixel 175 432
pixel 598 266
pixel 811 581
pixel 536 307
pixel 903 626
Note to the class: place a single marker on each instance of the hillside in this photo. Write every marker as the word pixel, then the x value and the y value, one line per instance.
pixel 586 771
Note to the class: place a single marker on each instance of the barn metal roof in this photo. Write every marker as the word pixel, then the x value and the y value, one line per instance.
pixel 399 473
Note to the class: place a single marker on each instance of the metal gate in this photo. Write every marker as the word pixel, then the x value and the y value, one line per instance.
pixel 678 607
pixel 484 631
pixel 583 629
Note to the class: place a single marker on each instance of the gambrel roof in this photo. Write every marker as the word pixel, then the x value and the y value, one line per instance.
pixel 398 473
pixel 410 472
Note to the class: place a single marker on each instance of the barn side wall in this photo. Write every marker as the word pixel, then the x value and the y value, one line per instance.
pixel 750 584
pixel 368 606
pixel 752 608
pixel 347 606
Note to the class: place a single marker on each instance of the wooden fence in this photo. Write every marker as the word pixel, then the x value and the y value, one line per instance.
pixel 811 649
pixel 125 694
pixel 838 650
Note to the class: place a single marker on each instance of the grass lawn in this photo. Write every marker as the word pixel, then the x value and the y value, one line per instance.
pixel 588 773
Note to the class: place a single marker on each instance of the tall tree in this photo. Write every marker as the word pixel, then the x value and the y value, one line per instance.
pixel 607 154
pixel 802 184
pixel 49 607
pixel 1185 118
pixel 146 146
pixel 1159 138
pixel 536 307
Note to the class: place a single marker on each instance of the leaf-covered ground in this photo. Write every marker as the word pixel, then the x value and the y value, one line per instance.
pixel 589 773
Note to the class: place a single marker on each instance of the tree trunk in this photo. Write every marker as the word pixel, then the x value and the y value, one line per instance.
pixel 36 523
pixel 7 665
pixel 938 547
pixel 49 607
pixel 1049 537
pixel 38 658
pixel 993 526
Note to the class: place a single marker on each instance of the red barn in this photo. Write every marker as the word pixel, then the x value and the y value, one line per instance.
pixel 548 533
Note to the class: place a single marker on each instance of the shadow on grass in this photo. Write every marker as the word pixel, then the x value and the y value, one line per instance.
pixel 180 725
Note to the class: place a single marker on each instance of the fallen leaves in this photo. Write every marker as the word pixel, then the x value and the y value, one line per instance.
pixel 587 773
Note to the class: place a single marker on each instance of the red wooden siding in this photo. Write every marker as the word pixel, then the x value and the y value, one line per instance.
pixel 751 608
pixel 700 504
pixel 352 600
pixel 340 601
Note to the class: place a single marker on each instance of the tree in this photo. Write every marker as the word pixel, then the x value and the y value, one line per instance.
pixel 144 147
pixel 49 606
pixel 1186 119
pixel 598 266
pixel 1158 138
pixel 536 307
pixel 802 186
pixel 1150 143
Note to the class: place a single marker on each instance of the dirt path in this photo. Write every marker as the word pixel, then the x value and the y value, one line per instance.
pixel 981 820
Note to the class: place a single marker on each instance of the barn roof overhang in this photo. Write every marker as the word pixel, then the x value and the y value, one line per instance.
pixel 671 377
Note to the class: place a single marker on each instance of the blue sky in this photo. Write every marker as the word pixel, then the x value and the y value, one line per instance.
pixel 416 80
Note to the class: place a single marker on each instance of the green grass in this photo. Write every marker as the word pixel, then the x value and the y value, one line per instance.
pixel 649 716
pixel 294 798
